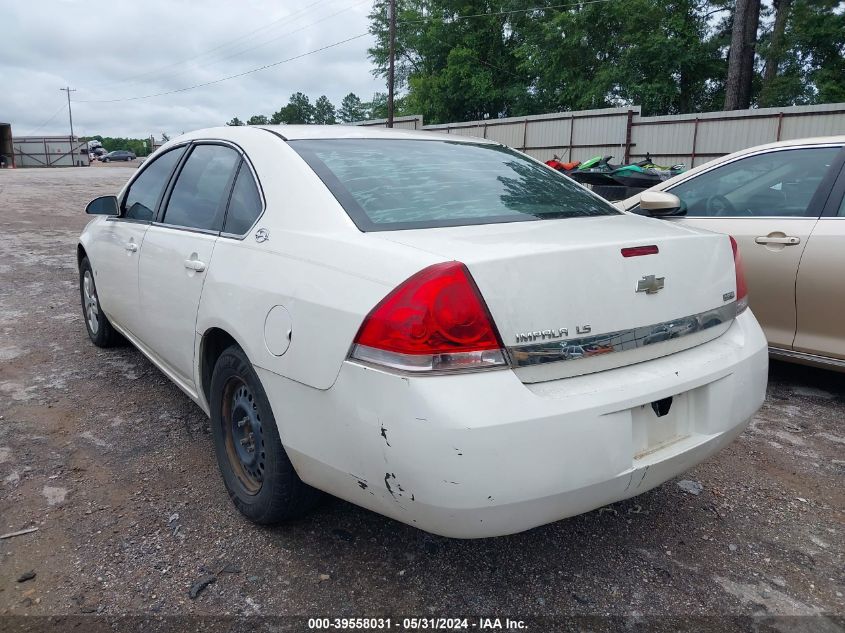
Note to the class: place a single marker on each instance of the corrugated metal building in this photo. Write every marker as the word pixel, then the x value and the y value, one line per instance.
pixel 49 151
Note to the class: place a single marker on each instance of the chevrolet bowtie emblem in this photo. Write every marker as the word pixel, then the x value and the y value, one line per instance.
pixel 650 284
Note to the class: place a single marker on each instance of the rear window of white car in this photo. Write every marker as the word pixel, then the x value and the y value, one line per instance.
pixel 390 184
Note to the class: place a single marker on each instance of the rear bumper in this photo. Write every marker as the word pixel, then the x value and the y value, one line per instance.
pixel 483 454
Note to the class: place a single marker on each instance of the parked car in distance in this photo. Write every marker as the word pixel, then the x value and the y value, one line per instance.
pixel 404 320
pixel 120 154
pixel 785 205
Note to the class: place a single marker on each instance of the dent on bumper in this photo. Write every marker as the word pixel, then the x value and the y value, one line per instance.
pixel 483 454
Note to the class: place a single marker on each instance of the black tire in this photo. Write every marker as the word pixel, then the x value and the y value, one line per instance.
pixel 105 160
pixel 258 475
pixel 100 331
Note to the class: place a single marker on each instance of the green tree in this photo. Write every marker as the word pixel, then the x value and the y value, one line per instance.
pixel 453 69
pixel 661 55
pixel 377 108
pixel 235 122
pixel 258 119
pixel 351 109
pixel 299 110
pixel 324 111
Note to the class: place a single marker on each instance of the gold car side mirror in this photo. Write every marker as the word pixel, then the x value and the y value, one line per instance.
pixel 659 204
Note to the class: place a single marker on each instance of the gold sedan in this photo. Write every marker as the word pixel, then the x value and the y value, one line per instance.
pixel 784 203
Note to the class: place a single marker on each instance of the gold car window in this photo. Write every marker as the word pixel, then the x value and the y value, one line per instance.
pixel 778 183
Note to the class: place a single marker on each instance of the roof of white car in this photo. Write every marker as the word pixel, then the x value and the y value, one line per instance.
pixel 303 132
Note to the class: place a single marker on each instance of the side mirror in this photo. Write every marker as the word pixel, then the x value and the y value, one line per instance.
pixel 660 204
pixel 104 205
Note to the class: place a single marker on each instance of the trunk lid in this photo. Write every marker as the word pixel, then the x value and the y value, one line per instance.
pixel 561 290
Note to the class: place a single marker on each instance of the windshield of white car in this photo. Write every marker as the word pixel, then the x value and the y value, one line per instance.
pixel 390 184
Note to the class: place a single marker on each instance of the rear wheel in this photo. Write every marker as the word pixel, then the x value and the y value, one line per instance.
pixel 100 331
pixel 258 475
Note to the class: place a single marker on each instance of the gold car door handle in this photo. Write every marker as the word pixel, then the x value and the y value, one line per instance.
pixel 195 264
pixel 786 241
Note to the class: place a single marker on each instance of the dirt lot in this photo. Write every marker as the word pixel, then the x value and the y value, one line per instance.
pixel 115 468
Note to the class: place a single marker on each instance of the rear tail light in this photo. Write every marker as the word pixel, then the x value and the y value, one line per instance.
pixel 741 285
pixel 434 321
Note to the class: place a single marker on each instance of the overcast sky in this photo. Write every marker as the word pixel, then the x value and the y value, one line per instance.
pixel 120 49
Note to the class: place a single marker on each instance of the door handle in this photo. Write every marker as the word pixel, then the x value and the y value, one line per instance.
pixel 786 241
pixel 195 264
pixel 132 247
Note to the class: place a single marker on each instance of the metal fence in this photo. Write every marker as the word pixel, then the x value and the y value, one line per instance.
pixel 691 139
pixel 49 151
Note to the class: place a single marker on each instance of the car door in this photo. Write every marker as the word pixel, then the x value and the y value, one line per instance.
pixel 177 253
pixel 117 248
pixel 768 201
pixel 820 289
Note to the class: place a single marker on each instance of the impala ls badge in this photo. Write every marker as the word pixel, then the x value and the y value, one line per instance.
pixel 262 235
pixel 650 284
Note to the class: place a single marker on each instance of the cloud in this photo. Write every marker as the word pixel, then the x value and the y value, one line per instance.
pixel 120 49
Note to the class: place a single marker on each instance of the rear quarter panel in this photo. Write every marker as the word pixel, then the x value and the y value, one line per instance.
pixel 316 264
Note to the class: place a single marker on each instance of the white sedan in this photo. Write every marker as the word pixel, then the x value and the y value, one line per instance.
pixel 440 329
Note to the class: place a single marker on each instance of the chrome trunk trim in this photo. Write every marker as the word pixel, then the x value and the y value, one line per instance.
pixel 620 341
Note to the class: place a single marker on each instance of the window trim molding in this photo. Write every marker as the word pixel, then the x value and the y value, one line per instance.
pixel 257 182
pixel 143 168
pixel 177 171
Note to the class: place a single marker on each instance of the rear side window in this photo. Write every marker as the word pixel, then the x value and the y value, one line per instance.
pixel 144 192
pixel 198 199
pixel 244 205
pixel 388 184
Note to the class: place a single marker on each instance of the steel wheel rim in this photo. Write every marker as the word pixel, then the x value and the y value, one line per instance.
pixel 91 305
pixel 244 435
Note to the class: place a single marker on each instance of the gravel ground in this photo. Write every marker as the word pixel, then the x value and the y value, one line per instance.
pixel 115 467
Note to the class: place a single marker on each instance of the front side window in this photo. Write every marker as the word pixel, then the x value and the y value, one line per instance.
pixel 387 184
pixel 142 198
pixel 779 183
pixel 245 203
pixel 198 199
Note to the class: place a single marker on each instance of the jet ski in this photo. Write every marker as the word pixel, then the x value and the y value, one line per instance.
pixel 566 168
pixel 644 174
pixel 595 171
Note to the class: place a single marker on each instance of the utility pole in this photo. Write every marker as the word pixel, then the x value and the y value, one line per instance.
pixel 391 61
pixel 68 90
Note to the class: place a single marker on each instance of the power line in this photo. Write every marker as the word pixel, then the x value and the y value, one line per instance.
pixel 52 116
pixel 249 48
pixel 570 5
pixel 222 79
pixel 293 16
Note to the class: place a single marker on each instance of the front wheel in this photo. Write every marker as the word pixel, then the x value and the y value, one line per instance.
pixel 100 331
pixel 258 475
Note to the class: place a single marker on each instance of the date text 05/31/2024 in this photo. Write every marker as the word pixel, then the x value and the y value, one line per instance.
pixel 417 624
